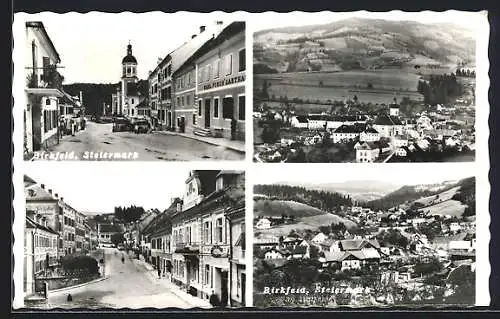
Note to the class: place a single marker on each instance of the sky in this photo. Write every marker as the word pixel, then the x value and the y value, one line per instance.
pixel 397 174
pixel 92 45
pixel 99 187
pixel 269 20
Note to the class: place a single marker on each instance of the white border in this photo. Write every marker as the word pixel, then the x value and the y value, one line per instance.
pixel 253 20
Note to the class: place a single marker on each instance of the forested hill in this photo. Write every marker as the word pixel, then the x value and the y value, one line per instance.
pixel 94 95
pixel 324 200
pixel 406 194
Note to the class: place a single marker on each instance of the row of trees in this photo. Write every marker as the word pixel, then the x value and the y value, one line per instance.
pixel 440 89
pixel 324 200
pixel 466 73
pixel 128 214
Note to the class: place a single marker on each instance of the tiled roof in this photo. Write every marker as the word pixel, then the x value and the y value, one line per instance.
pixel 370 130
pixel 301 119
pixel 37 193
pixel 347 129
pixel 385 119
pixel 30 223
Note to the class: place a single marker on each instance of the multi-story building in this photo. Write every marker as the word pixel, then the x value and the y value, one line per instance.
pixel 43 89
pixel 131 94
pixel 105 232
pixel 166 94
pixel 40 249
pixel 200 235
pixel 160 235
pixel 220 84
pixel 68 229
pixel 79 232
pixel 238 258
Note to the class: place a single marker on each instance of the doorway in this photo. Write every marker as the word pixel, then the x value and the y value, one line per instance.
pixel 243 289
pixel 223 288
pixel 36 126
pixel 207 113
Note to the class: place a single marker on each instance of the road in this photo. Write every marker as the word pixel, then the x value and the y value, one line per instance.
pixel 98 138
pixel 128 286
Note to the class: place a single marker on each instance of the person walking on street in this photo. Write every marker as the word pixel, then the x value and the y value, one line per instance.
pixel 214 300
pixel 159 273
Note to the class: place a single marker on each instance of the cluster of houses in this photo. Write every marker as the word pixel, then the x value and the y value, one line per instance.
pixel 49 111
pixel 198 88
pixel 53 229
pixel 383 137
pixel 198 243
pixel 454 246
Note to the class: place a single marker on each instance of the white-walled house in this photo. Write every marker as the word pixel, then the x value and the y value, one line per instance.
pixel 263 223
pixel 43 89
pixel 366 152
pixel 299 121
pixel 319 238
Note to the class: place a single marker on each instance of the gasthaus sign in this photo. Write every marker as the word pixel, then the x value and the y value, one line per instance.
pixel 223 82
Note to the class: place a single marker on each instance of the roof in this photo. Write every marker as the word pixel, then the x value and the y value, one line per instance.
pixel 202 44
pixel 394 106
pixel 301 119
pixel 366 146
pixel 28 181
pixel 37 193
pixel 129 58
pixel 30 223
pixel 300 250
pixel 370 130
pixel 347 129
pixel 385 119
pixel 39 25
pixel 139 88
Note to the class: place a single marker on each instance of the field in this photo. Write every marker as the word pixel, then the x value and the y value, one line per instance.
pixel 312 222
pixel 376 86
pixel 449 207
pixel 444 196
pixel 308 217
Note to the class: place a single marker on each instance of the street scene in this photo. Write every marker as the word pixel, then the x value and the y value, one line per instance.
pixel 364 89
pixel 352 238
pixel 98 139
pixel 176 100
pixel 160 248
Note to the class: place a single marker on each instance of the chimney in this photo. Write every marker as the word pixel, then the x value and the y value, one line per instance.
pixel 202 28
pixel 193 36
pixel 50 191
pixel 57 195
pixel 62 199
pixel 43 186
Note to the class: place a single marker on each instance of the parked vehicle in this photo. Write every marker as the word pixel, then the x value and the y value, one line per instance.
pixel 122 125
pixel 121 247
pixel 141 126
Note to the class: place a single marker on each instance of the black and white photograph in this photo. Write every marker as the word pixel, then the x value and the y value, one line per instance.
pixel 366 87
pixel 350 237
pixel 110 244
pixel 152 86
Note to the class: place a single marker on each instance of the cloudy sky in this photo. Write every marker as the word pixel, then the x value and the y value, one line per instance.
pixel 99 187
pixel 271 20
pixel 92 45
pixel 398 174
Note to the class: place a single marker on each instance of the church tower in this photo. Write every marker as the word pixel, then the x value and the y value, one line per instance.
pixel 129 75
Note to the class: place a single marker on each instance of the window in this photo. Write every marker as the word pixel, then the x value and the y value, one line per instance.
pixel 189 78
pixel 209 75
pixel 182 101
pixel 194 119
pixel 188 234
pixel 207 236
pixel 241 60
pixel 241 107
pixel 178 101
pixel 219 231
pixel 129 70
pixel 229 64
pixel 188 100
pixel 216 107
pixel 199 107
pixel 216 69
pixel 228 107
pixel 207 274
pixel 169 69
pixel 132 100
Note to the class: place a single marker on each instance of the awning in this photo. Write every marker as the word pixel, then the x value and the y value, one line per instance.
pixel 45 92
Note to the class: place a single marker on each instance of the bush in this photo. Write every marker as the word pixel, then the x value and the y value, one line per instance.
pixel 79 264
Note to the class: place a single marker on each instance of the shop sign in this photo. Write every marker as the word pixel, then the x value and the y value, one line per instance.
pixel 224 82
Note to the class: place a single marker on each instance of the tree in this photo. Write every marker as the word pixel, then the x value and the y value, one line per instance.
pixel 427 267
pixel 117 238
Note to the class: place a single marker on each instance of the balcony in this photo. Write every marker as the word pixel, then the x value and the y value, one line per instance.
pixel 49 83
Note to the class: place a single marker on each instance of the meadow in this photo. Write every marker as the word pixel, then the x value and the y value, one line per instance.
pixel 375 86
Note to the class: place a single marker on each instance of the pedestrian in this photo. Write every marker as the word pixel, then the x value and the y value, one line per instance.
pixel 214 300
pixel 70 298
pixel 159 273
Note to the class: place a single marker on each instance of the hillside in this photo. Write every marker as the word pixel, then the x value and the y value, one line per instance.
pixel 94 95
pixel 447 198
pixel 306 217
pixel 357 43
